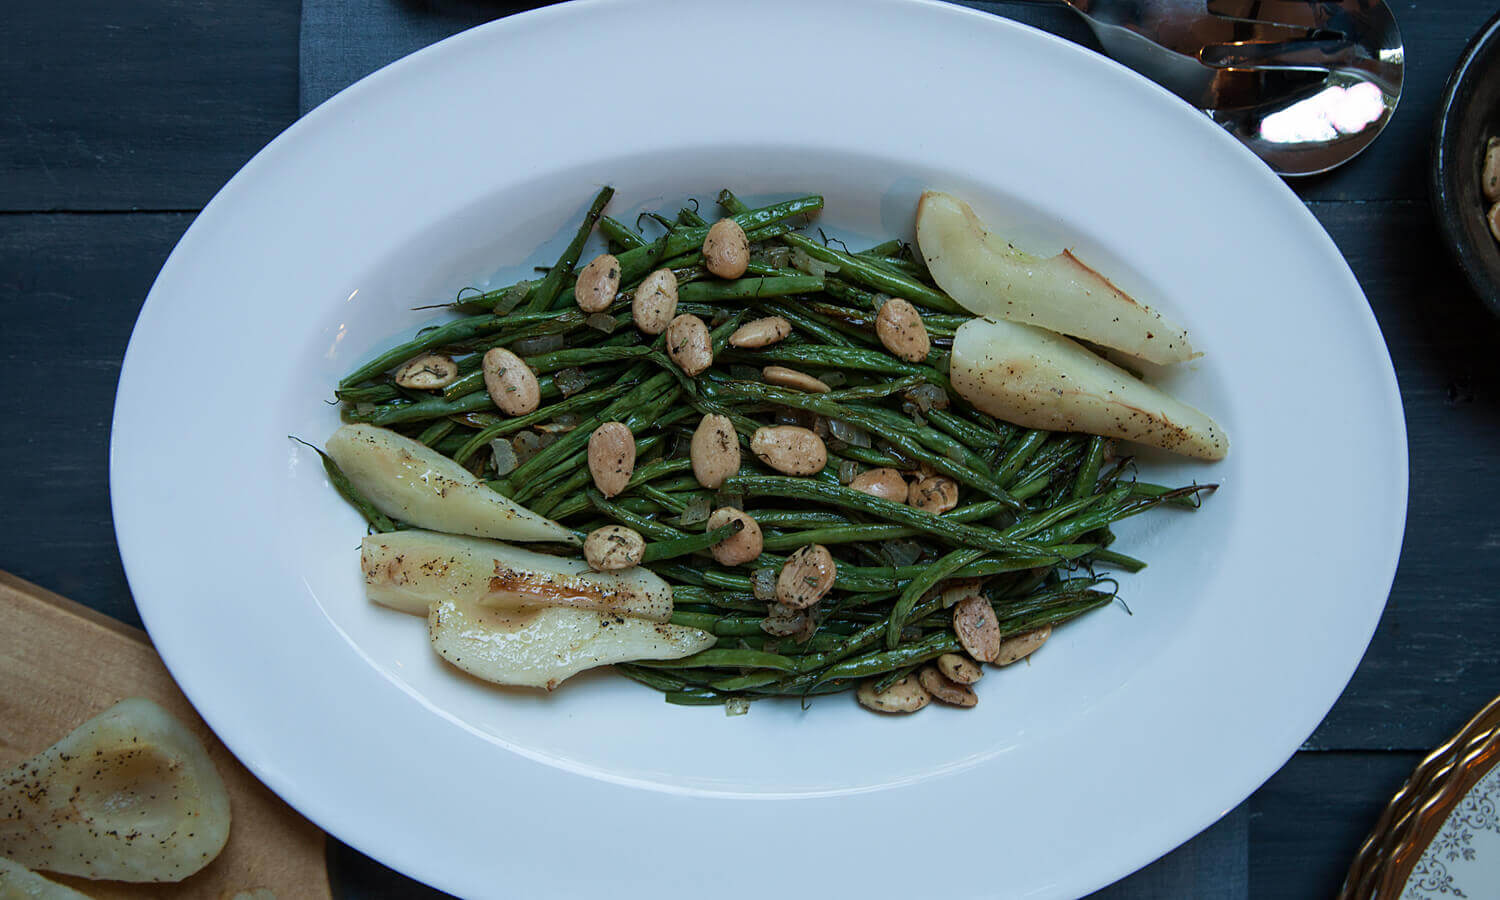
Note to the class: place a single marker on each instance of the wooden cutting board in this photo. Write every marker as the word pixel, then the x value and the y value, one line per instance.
pixel 61 664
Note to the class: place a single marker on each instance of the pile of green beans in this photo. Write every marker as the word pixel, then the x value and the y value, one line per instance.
pixel 1035 508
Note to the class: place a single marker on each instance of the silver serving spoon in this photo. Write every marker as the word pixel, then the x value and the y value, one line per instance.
pixel 1306 84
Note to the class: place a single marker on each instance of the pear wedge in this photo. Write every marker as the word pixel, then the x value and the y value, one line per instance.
pixel 541 647
pixel 20 883
pixel 1038 379
pixel 989 277
pixel 129 795
pixel 411 570
pixel 412 482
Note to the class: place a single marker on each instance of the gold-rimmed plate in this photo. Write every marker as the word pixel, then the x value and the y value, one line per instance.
pixel 1440 833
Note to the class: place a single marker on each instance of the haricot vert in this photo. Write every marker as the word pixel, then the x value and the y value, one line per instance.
pixel 742 466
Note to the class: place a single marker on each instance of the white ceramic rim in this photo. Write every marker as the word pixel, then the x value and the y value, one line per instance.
pixel 383 802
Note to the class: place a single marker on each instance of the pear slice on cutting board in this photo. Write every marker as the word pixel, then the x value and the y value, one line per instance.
pixel 989 277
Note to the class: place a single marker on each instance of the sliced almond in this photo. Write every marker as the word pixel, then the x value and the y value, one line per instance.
pixel 959 668
pixel 977 628
pixel 1021 646
pixel 905 696
pixel 791 378
pixel 760 333
pixel 949 692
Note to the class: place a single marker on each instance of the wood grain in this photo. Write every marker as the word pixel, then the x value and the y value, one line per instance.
pixel 71 287
pixel 61 664
pixel 1307 822
pixel 150 105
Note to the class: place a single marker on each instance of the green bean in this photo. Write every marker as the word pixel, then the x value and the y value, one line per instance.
pixel 916 653
pixel 799 518
pixel 436 432
pixel 860 270
pixel 1186 500
pixel 651 678
pixel 648 527
pixel 565 499
pixel 1108 513
pixel 551 286
pixel 891 678
pixel 749 659
pixel 582 400
pixel 875 391
pixel 1022 453
pixel 802 489
pixel 369 393
pixel 884 248
pixel 962 429
pixel 657 469
pixel 691 544
pixel 578 437
pixel 1110 557
pixel 341 483
pixel 620 233
pixel 920 585
pixel 804 325
pixel 1088 471
pixel 422 410
pixel 748 288
pixel 441 336
pixel 856 359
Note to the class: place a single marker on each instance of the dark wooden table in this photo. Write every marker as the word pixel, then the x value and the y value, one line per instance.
pixel 120 121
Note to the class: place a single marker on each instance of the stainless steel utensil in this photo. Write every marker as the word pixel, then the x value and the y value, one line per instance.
pixel 1306 84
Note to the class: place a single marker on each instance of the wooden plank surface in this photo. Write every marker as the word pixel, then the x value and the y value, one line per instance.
pixel 71 286
pixel 147 105
pixel 177 94
pixel 62 664
pixel 1307 822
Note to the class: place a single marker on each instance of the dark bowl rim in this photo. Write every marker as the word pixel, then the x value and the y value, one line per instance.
pixel 1445 205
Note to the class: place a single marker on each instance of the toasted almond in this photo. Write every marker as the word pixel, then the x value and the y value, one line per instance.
pixel 598 283
pixel 760 333
pixel 726 249
pixel 737 549
pixel 940 687
pixel 959 668
pixel 611 457
pixel 791 378
pixel 510 382
pixel 900 329
pixel 613 547
pixel 905 696
pixel 689 344
pixel 806 576
pixel 977 628
pixel 1021 646
pixel 789 448
pixel 655 302
pixel 934 494
pixel 715 450
pixel 428 372
pixel 885 483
